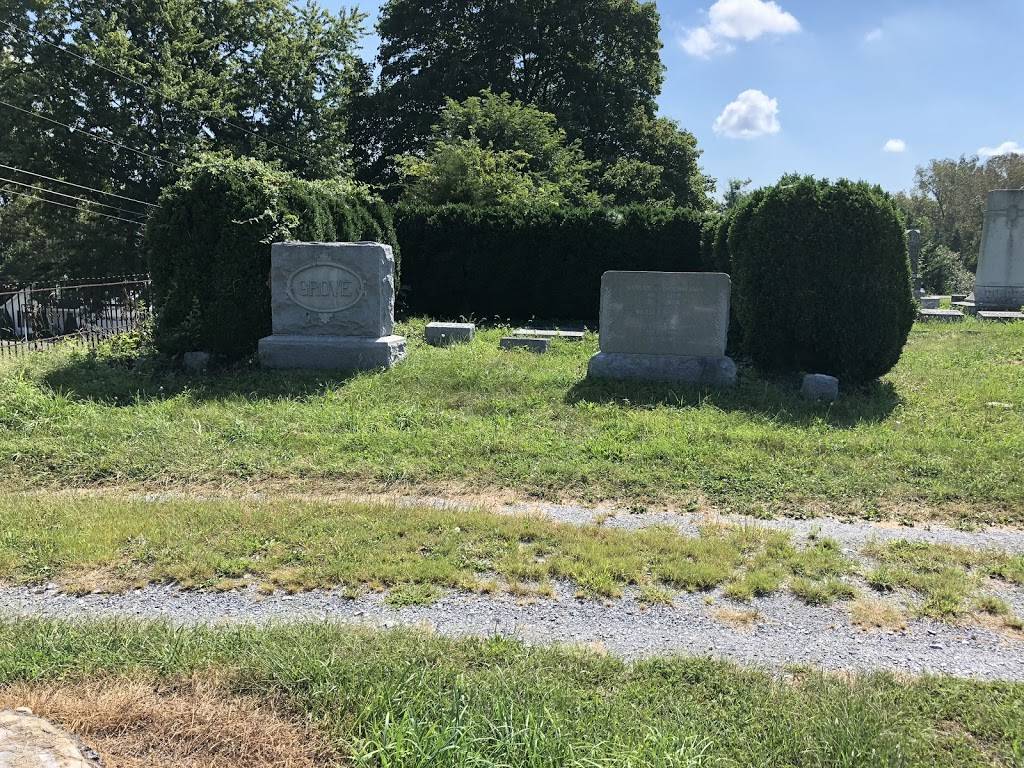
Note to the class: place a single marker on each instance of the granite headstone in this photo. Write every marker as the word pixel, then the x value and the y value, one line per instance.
pixel 333 307
pixel 665 326
pixel 1000 279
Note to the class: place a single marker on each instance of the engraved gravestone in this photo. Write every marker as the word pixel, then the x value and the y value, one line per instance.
pixel 333 307
pixel 665 326
pixel 1000 280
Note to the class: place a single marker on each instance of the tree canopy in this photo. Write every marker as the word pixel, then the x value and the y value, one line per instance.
pixel 143 85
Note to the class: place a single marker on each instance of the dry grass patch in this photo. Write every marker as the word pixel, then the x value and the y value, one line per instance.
pixel 738 618
pixel 195 724
pixel 877 614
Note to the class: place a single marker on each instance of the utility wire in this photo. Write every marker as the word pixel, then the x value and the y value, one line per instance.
pixel 88 135
pixel 78 186
pixel 71 197
pixel 72 207
pixel 157 91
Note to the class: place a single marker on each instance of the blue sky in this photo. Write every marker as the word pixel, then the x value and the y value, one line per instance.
pixel 865 89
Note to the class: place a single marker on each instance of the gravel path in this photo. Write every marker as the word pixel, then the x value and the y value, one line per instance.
pixel 788 632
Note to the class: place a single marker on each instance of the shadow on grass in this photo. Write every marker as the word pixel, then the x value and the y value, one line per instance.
pixel 773 398
pixel 148 379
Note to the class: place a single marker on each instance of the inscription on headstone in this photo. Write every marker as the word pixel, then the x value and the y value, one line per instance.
pixel 665 326
pixel 333 307
pixel 1000 279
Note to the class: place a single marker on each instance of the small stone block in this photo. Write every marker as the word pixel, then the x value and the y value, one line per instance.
pixel 940 316
pixel 541 333
pixel 957 297
pixel 930 302
pixel 539 346
pixel 447 334
pixel 1001 317
pixel 331 353
pixel 967 307
pixel 818 386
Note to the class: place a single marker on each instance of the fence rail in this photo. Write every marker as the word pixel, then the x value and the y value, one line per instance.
pixel 35 317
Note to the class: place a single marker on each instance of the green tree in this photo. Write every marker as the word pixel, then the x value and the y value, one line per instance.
pixel 493 150
pixel 260 78
pixel 595 66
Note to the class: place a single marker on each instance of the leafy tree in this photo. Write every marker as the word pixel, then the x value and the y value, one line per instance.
pixel 492 150
pixel 948 200
pixel 595 66
pixel 734 193
pixel 260 78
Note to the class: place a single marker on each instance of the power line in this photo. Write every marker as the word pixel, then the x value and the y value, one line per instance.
pixel 71 197
pixel 88 135
pixel 78 186
pixel 157 91
pixel 74 208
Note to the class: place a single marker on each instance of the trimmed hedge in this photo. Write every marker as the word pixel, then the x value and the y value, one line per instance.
pixel 822 279
pixel 461 261
pixel 209 246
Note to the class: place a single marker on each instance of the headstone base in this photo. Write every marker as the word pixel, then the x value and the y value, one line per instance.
pixel 331 353
pixel 940 316
pixel 1000 298
pixel 710 371
pixel 1001 317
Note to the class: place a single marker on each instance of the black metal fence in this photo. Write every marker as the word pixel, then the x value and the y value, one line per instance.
pixel 34 317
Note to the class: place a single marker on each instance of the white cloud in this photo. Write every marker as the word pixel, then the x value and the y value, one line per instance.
pixel 896 146
pixel 1006 148
pixel 753 114
pixel 737 20
pixel 874 35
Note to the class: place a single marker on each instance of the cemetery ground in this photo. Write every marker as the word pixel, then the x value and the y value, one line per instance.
pixel 161 532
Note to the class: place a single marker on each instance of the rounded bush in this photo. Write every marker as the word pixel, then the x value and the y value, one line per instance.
pixel 821 279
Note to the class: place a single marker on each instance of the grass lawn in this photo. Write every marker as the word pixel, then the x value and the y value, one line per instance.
pixel 409 699
pixel 942 435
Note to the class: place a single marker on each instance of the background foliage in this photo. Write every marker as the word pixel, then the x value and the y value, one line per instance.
pixel 210 246
pixel 517 264
pixel 821 278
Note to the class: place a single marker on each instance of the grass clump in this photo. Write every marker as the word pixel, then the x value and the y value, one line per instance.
pixel 945 576
pixel 410 699
pixel 475 418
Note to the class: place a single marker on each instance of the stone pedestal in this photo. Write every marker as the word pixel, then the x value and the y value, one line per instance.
pixel 665 326
pixel 1000 280
pixel 333 307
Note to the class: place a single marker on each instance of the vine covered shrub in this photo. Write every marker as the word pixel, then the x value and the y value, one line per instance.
pixel 461 261
pixel 821 279
pixel 209 246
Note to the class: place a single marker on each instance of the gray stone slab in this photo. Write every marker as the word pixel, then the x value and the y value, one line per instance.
pixel 543 333
pixel 333 353
pixel 1000 317
pixel 958 297
pixel 999 284
pixel 539 346
pixel 819 386
pixel 447 334
pixel 967 307
pixel 940 316
pixel 710 371
pixel 665 313
pixel 333 289
pixel 930 302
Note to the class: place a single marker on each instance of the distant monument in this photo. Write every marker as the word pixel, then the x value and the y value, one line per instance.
pixel 914 243
pixel 1000 279
pixel 665 326
pixel 333 307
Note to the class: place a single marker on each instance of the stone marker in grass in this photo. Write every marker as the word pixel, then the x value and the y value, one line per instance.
pixel 999 285
pixel 1001 317
pixel 539 346
pixel 940 316
pixel 545 333
pixel 333 307
pixel 818 386
pixel 930 302
pixel 665 326
pixel 447 334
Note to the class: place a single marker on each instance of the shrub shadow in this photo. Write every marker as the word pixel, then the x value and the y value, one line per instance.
pixel 146 379
pixel 774 398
